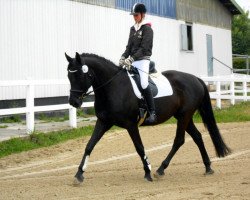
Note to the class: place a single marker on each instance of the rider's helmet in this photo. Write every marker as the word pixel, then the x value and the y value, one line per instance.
pixel 138 8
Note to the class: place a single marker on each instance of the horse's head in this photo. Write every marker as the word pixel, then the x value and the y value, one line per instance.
pixel 80 79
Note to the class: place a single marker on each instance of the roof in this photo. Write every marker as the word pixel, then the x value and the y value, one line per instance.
pixel 232 6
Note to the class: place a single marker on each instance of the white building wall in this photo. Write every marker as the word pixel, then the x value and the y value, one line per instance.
pixel 35 34
pixel 195 62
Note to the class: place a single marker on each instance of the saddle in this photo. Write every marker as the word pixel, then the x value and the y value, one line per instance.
pixel 136 76
pixel 158 83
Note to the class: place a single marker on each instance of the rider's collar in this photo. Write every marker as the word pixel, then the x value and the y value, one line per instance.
pixel 137 26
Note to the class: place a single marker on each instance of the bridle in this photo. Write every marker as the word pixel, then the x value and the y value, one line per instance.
pixel 85 94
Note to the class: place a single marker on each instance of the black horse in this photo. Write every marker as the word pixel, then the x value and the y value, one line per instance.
pixel 116 104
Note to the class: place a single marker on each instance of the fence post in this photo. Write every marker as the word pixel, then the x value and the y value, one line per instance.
pixel 72 117
pixel 232 90
pixel 30 116
pixel 245 88
pixel 247 64
pixel 218 94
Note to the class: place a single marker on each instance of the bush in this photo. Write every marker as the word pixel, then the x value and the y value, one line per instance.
pixel 240 63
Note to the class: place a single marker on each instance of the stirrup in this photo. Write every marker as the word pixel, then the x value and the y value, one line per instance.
pixel 151 118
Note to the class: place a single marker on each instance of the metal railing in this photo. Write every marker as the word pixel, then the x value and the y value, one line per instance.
pixel 246 57
pixel 232 69
pixel 223 64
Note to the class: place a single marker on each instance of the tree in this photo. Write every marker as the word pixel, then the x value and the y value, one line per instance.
pixel 241 34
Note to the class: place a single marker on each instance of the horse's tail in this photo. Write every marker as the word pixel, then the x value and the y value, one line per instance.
pixel 208 119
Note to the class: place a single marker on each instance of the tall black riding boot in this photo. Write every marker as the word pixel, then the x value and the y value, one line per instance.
pixel 147 93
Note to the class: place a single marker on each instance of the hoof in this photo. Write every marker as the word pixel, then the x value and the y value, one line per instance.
pixel 79 177
pixel 209 172
pixel 77 183
pixel 148 177
pixel 159 174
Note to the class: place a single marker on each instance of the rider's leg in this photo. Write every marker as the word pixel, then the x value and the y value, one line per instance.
pixel 143 69
pixel 147 93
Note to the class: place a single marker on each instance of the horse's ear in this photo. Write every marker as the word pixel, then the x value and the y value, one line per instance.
pixel 79 59
pixel 69 59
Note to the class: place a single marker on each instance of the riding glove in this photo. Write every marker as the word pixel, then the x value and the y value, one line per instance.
pixel 121 61
pixel 128 62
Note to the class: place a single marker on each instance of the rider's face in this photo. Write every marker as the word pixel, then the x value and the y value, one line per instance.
pixel 138 17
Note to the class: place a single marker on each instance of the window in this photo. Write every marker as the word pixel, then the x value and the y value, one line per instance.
pixel 186 37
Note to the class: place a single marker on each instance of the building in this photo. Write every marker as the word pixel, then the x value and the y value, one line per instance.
pixel 35 34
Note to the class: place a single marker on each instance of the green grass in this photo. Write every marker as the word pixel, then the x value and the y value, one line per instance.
pixel 90 112
pixel 11 119
pixel 46 118
pixel 3 126
pixel 237 113
pixel 38 139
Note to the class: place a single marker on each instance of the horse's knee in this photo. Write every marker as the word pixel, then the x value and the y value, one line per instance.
pixel 181 142
pixel 197 137
pixel 178 142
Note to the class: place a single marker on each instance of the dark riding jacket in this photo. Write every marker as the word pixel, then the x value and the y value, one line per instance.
pixel 140 43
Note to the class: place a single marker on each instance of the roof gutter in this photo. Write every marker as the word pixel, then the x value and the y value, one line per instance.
pixel 232 7
pixel 241 11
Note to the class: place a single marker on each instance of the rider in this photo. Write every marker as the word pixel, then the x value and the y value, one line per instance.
pixel 138 52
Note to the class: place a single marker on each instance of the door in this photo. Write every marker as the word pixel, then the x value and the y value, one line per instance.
pixel 210 67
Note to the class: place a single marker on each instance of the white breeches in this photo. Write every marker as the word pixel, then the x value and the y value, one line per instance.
pixel 143 69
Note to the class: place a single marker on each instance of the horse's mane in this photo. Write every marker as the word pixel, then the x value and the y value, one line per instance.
pixel 102 59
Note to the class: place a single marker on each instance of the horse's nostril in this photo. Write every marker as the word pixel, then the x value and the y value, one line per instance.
pixel 75 102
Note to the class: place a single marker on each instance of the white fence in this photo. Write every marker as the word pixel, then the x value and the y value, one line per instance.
pixel 236 88
pixel 233 87
pixel 30 108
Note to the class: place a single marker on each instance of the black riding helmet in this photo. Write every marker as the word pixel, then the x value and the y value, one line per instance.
pixel 138 8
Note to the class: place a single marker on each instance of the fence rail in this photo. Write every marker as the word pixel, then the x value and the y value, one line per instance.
pixel 30 108
pixel 233 87
pixel 238 89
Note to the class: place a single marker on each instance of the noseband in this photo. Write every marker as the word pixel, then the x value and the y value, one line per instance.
pixel 85 94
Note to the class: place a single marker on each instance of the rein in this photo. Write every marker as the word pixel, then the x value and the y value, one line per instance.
pixel 85 94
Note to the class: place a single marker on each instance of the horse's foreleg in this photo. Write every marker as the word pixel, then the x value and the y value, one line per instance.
pixel 100 129
pixel 135 136
pixel 178 142
pixel 196 135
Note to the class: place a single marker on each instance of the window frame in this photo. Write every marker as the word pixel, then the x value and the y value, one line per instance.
pixel 187 37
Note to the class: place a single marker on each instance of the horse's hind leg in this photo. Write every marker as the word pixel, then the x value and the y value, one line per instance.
pixel 135 136
pixel 100 129
pixel 178 142
pixel 196 135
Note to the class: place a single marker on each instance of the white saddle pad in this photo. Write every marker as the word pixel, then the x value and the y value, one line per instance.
pixel 161 82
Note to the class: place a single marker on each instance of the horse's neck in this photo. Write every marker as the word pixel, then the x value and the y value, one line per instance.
pixel 102 74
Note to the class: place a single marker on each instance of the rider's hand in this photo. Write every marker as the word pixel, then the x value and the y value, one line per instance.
pixel 128 62
pixel 121 61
